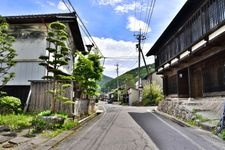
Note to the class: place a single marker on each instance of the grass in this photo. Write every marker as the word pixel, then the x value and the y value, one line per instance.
pixel 23 121
pixel 197 120
pixel 68 124
pixel 201 118
pixel 16 122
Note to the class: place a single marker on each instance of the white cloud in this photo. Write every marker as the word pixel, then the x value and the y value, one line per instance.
pixel 136 25
pixel 112 48
pixel 51 3
pixel 135 6
pixel 108 2
pixel 61 6
pixel 125 8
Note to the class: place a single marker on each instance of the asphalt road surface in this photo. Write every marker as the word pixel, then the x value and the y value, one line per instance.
pixel 137 128
pixel 168 135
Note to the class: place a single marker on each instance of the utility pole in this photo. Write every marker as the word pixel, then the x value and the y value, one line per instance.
pixel 117 81
pixel 140 37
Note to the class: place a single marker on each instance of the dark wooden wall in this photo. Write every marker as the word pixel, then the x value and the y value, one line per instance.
pixel 20 92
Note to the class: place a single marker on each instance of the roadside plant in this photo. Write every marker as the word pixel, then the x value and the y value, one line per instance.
pixel 58 56
pixel 16 122
pixel 7 53
pixel 10 105
pixel 55 123
pixel 223 134
pixel 152 94
pixel 87 72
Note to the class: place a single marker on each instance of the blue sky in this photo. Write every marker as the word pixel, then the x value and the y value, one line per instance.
pixel 112 24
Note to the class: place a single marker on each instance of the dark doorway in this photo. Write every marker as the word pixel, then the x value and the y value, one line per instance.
pixel 183 86
pixel 196 83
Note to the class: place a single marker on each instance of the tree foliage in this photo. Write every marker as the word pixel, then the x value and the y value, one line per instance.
pixel 58 56
pixel 87 72
pixel 7 53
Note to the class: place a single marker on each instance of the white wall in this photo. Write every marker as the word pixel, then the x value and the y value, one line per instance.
pixel 29 45
pixel 27 71
pixel 29 49
pixel 133 96
pixel 30 40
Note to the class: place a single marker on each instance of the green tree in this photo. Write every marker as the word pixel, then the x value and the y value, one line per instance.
pixel 7 53
pixel 58 56
pixel 87 72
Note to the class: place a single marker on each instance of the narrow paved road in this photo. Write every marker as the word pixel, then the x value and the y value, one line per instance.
pixel 114 130
pixel 134 128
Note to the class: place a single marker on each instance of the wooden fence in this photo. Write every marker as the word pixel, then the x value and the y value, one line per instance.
pixel 40 99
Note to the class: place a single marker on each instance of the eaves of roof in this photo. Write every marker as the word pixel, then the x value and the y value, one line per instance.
pixel 183 15
pixel 69 18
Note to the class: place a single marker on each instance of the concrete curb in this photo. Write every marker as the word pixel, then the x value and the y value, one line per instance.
pixel 56 140
pixel 202 125
pixel 172 118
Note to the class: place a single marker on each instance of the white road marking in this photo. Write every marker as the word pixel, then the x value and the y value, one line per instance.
pixel 182 134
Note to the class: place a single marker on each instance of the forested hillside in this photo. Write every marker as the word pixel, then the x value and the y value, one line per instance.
pixel 127 79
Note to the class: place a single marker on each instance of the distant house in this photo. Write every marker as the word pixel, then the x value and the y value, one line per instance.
pixel 190 54
pixel 30 32
pixel 157 79
pixel 132 96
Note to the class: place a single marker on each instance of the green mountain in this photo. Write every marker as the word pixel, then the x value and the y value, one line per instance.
pixel 127 79
pixel 104 80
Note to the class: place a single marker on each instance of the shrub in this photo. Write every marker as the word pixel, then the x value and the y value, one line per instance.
pixel 45 113
pixel 38 124
pixel 9 104
pixel 152 94
pixel 222 134
pixel 69 124
pixel 46 120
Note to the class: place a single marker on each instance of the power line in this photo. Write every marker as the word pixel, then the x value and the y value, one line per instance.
pixel 148 12
pixel 149 16
pixel 84 27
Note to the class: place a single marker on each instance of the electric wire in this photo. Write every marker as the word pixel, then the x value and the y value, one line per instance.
pixel 150 15
pixel 147 14
pixel 86 32
pixel 135 14
pixel 139 8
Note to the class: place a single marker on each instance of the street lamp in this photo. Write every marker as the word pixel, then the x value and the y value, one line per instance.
pixel 89 47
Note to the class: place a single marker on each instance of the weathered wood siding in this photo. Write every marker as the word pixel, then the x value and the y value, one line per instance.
pixel 207 18
pixel 40 99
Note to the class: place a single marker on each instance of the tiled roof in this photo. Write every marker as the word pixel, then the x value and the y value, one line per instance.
pixel 39 18
pixel 69 18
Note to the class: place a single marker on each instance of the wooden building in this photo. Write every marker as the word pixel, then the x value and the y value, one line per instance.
pixel 190 53
pixel 30 32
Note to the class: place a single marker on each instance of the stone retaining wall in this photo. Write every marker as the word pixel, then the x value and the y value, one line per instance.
pixel 175 108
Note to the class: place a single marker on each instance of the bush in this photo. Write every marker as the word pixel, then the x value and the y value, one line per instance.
pixel 152 95
pixel 69 124
pixel 222 134
pixel 10 105
pixel 45 113
pixel 46 120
